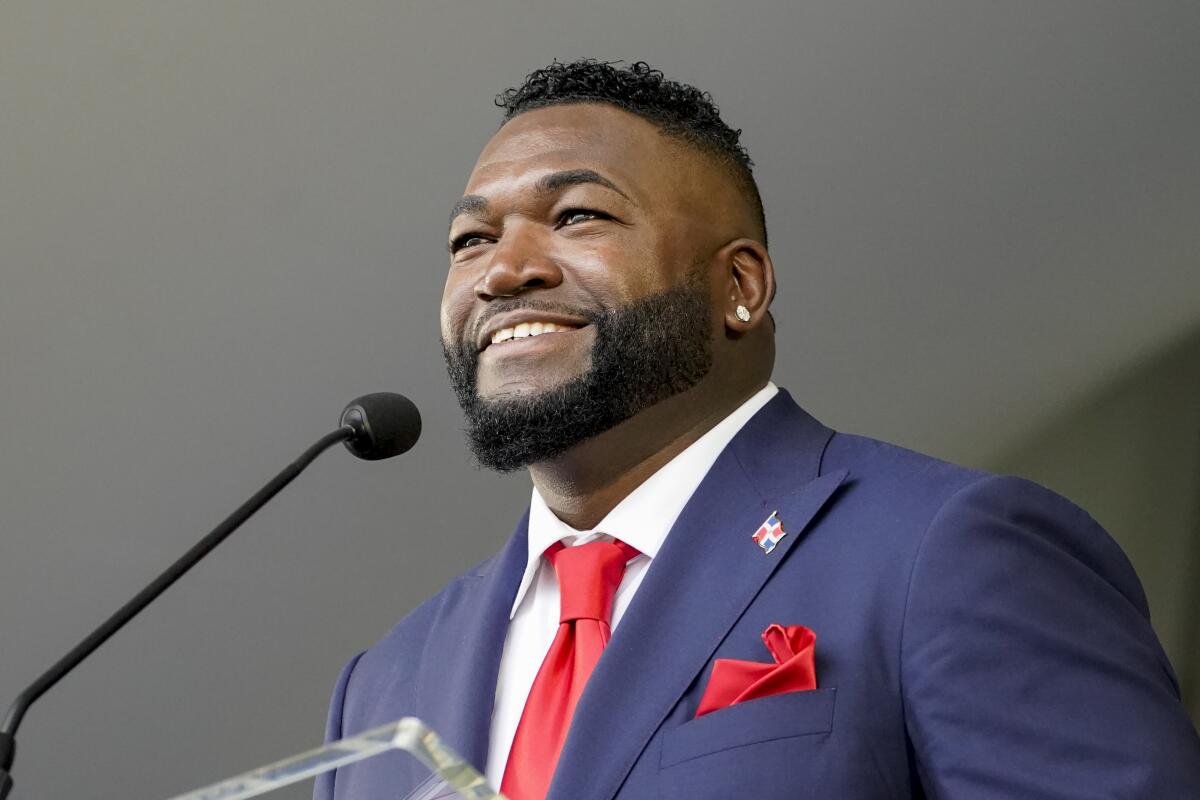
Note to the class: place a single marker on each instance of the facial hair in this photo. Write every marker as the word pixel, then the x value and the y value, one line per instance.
pixel 643 353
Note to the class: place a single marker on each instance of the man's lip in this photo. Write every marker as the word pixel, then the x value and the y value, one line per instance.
pixel 511 319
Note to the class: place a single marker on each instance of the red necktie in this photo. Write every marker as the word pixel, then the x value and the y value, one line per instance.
pixel 588 577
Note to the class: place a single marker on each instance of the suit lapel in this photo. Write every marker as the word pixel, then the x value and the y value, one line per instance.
pixel 702 580
pixel 457 685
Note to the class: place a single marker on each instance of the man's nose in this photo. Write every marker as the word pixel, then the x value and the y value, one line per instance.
pixel 518 261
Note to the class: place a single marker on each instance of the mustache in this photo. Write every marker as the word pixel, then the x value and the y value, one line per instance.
pixel 525 304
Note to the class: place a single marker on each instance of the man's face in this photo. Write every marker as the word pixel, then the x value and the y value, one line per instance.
pixel 577 292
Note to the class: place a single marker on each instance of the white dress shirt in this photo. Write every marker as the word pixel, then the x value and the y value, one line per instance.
pixel 641 520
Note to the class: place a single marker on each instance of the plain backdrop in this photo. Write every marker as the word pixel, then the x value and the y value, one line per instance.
pixel 219 221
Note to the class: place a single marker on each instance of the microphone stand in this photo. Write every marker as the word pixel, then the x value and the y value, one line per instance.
pixel 12 721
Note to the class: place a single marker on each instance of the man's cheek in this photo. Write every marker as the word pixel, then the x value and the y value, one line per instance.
pixel 452 325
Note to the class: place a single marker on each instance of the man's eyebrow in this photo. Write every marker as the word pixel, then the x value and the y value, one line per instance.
pixel 469 204
pixel 573 177
pixel 476 205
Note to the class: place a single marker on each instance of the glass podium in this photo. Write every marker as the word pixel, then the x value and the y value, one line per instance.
pixel 451 777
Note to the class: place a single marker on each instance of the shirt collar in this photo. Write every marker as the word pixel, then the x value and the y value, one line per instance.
pixel 645 517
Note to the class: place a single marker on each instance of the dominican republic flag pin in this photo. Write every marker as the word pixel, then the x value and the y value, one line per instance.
pixel 769 533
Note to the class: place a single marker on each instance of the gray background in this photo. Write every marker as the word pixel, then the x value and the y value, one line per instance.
pixel 219 221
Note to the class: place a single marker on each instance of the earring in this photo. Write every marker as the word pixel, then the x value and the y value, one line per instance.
pixel 742 313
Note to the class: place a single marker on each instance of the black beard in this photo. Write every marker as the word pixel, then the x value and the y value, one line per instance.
pixel 643 353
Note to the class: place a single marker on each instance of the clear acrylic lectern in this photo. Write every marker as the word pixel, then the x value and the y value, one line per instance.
pixel 451 777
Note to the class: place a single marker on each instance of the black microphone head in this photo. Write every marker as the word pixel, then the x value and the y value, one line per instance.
pixel 385 424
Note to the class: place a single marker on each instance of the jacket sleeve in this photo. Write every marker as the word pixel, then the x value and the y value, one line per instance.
pixel 1028 665
pixel 324 784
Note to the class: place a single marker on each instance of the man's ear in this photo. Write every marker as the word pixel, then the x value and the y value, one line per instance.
pixel 749 280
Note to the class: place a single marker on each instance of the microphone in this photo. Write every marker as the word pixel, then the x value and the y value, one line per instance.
pixel 385 425
pixel 373 427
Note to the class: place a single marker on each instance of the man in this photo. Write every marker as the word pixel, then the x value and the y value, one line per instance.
pixel 793 612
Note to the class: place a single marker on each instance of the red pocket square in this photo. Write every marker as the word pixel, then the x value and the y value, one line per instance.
pixel 734 681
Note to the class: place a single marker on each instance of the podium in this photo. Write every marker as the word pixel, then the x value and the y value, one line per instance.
pixel 451 777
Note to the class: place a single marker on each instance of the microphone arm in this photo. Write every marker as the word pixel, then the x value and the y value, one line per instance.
pixel 25 699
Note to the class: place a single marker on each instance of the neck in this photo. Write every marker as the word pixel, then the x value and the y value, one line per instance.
pixel 582 485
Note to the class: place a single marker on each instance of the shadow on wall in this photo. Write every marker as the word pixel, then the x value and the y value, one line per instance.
pixel 1130 455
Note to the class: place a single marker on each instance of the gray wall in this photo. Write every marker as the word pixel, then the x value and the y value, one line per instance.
pixel 221 220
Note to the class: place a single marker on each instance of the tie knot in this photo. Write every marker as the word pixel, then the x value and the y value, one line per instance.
pixel 588 577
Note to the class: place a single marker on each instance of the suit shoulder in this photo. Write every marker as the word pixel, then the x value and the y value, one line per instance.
pixel 951 503
pixel 1006 512
pixel 903 479
pixel 922 490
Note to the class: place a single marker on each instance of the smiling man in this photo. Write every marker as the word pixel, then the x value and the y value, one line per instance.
pixel 713 595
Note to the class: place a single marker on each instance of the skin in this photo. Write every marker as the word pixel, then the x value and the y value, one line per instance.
pixel 583 246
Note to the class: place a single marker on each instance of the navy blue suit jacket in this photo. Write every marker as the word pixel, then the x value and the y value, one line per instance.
pixel 977 636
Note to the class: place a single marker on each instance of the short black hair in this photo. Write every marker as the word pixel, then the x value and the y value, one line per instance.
pixel 679 110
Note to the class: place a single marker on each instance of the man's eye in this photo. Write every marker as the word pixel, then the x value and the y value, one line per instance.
pixel 466 240
pixel 575 215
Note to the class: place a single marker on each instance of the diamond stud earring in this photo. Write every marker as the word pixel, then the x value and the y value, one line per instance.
pixel 743 313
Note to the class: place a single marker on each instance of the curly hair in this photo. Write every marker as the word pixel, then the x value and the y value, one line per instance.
pixel 679 110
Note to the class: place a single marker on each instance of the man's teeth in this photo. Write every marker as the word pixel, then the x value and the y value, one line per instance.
pixel 527 329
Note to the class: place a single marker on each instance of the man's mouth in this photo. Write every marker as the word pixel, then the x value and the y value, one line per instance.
pixel 525 330
pixel 525 325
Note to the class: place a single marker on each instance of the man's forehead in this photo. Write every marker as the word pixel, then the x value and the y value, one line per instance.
pixel 576 136
pixel 652 169
pixel 575 124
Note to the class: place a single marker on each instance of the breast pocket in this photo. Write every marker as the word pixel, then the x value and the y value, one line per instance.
pixel 752 749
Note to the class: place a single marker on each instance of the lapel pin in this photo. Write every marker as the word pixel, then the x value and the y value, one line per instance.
pixel 769 533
